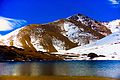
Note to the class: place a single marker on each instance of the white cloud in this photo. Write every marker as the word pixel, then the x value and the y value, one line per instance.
pixel 9 24
pixel 114 1
pixel 5 25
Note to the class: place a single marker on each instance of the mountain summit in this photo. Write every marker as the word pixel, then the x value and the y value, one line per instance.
pixel 63 34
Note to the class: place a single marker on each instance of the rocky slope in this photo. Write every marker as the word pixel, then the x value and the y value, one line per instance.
pixel 11 53
pixel 64 34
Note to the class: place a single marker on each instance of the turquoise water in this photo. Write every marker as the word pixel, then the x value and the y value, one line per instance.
pixel 62 68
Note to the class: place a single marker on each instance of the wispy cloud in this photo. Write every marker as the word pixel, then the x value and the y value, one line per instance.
pixel 5 25
pixel 115 1
pixel 9 24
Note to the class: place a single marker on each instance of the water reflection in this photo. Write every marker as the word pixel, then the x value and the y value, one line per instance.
pixel 71 68
pixel 34 69
pixel 5 69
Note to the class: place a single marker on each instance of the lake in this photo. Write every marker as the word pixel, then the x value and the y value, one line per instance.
pixel 103 68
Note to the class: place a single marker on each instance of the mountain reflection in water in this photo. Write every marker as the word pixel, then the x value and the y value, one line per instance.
pixel 62 68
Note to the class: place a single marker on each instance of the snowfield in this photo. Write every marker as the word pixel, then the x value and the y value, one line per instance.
pixel 108 47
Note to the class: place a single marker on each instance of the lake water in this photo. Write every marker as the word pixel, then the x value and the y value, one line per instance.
pixel 62 68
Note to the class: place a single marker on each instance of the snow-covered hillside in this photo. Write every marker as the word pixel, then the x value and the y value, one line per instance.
pixel 114 25
pixel 108 46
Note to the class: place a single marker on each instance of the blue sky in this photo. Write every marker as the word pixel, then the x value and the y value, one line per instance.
pixel 43 11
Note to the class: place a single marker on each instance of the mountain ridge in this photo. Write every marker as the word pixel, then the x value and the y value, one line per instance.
pixel 62 34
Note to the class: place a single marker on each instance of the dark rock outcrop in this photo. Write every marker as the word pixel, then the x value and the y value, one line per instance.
pixel 10 53
pixel 92 55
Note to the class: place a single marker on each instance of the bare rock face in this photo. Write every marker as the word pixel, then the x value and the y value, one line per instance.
pixel 63 34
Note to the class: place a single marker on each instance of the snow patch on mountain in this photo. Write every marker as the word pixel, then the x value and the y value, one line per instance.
pixel 72 31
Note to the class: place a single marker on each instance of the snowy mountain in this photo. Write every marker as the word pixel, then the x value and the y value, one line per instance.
pixel 63 34
pixel 95 25
pixel 108 47
pixel 114 25
pixel 77 37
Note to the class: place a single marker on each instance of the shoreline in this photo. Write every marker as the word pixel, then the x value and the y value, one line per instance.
pixel 55 78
